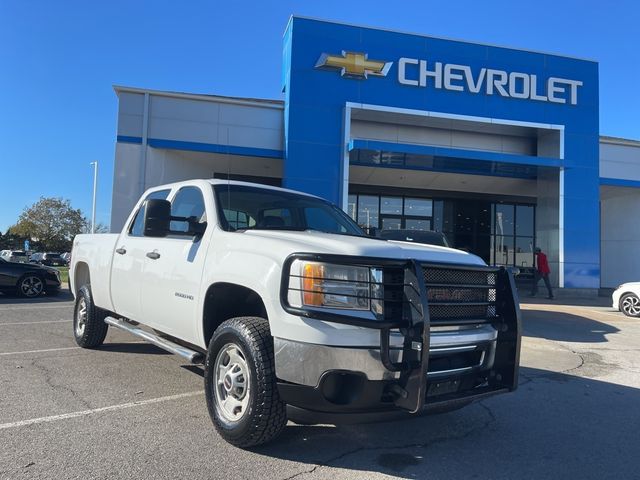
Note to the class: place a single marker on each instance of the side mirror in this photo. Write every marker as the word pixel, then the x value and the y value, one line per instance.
pixel 157 218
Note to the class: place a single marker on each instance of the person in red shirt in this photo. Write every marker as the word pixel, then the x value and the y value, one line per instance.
pixel 542 272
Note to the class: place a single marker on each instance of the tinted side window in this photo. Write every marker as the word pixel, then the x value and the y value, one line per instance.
pixel 138 222
pixel 188 202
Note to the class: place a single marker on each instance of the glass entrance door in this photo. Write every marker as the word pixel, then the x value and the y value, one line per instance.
pixel 467 224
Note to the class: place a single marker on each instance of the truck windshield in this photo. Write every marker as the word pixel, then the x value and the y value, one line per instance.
pixel 242 207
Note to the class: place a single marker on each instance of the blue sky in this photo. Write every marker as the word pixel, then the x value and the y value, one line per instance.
pixel 59 60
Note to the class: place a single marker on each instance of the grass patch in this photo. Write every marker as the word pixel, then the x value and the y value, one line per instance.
pixel 64 274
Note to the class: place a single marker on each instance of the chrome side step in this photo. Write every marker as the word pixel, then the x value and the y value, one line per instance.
pixel 186 353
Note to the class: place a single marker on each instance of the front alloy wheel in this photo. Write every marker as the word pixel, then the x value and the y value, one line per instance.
pixel 232 382
pixel 81 317
pixel 31 286
pixel 630 305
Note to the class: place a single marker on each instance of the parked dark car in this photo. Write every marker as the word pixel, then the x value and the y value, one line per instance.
pixel 416 236
pixel 28 280
pixel 49 258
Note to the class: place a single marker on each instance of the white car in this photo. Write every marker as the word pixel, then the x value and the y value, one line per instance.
pixel 626 298
pixel 294 311
pixel 16 256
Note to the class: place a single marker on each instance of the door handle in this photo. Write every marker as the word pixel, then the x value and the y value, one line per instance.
pixel 153 255
pixel 121 250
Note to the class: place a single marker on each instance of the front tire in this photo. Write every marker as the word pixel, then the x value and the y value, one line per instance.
pixel 30 285
pixel 630 305
pixel 240 383
pixel 89 328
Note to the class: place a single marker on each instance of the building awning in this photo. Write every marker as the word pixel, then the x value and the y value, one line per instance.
pixel 444 159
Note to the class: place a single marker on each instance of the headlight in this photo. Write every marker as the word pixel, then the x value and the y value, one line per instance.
pixel 333 286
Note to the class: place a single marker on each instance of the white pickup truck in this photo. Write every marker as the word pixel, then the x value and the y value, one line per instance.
pixel 294 311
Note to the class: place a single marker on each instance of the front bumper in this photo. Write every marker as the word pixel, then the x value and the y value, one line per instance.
pixel 304 363
pixel 615 299
pixel 425 357
pixel 52 280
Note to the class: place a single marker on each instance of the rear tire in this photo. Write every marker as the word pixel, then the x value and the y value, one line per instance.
pixel 240 383
pixel 630 305
pixel 89 328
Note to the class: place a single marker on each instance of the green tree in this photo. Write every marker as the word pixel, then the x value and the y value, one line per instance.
pixel 11 241
pixel 51 222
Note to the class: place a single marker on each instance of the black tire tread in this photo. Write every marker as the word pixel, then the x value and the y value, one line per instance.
pixel 269 416
pixel 95 330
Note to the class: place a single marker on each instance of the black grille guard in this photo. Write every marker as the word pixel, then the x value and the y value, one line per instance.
pixel 406 309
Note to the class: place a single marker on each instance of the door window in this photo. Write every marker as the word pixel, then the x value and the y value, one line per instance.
pixel 137 226
pixel 189 203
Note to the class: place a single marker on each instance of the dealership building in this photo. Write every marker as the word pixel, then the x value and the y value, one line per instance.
pixel 498 148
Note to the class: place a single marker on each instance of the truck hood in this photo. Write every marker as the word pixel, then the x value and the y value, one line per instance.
pixel 288 242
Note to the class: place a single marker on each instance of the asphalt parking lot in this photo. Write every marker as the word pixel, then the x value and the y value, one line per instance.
pixel 129 410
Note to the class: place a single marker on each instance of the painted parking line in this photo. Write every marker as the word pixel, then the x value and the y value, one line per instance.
pixel 111 408
pixel 34 323
pixel 35 307
pixel 60 349
pixel 39 351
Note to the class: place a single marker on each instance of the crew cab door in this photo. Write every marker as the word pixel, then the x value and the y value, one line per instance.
pixel 128 263
pixel 173 270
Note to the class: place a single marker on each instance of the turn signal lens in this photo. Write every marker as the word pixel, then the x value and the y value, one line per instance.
pixel 312 276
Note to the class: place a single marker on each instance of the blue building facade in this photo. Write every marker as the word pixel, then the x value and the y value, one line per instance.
pixel 335 75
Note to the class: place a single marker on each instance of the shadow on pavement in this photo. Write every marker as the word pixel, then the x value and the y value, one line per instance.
pixel 62 297
pixel 135 348
pixel 592 301
pixel 554 426
pixel 564 327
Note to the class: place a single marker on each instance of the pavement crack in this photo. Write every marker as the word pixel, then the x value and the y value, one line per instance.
pixel 48 378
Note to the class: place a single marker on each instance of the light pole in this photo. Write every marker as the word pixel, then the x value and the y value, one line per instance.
pixel 95 187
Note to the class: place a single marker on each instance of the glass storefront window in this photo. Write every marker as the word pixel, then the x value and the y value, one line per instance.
pixel 365 156
pixel 418 207
pixel 504 219
pixel 524 220
pixel 500 233
pixel 391 223
pixel 415 224
pixel 419 161
pixel 351 206
pixel 503 250
pixel 438 224
pixel 368 211
pixel 392 159
pixel 391 205
pixel 524 252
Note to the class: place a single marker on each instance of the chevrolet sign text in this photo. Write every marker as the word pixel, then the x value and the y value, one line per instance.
pixel 420 73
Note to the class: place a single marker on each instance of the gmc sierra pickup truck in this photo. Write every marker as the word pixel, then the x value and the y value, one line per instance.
pixel 295 312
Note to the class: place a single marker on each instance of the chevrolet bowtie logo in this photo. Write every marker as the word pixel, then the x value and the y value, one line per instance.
pixel 354 65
